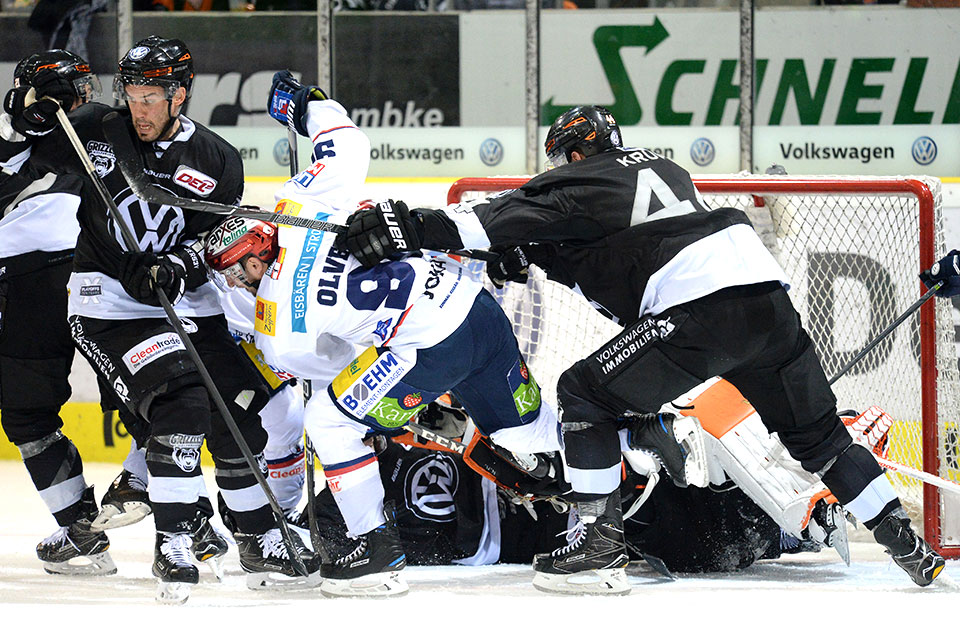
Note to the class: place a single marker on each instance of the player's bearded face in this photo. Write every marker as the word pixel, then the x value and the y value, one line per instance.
pixel 150 111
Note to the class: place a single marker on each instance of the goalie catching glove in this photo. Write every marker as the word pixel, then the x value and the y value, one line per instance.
pixel 383 231
pixel 288 100
pixel 142 274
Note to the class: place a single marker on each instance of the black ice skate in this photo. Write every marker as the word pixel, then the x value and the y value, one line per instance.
pixel 908 550
pixel 125 502
pixel 265 559
pixel 676 441
pixel 78 550
pixel 210 546
pixel 594 558
pixel 828 527
pixel 372 569
pixel 172 564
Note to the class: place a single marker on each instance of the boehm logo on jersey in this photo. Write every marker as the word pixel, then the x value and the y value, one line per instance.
pixel 193 180
pixel 101 154
pixel 390 218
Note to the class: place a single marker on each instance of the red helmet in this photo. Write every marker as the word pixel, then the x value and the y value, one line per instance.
pixel 237 238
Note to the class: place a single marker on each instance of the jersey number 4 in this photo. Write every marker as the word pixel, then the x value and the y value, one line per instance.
pixel 649 183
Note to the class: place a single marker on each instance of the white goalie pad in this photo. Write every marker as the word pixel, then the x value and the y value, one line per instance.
pixel 738 443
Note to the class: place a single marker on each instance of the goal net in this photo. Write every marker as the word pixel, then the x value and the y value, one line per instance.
pixel 852 248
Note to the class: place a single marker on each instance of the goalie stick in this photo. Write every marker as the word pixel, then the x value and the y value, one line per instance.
pixel 131 166
pixel 174 320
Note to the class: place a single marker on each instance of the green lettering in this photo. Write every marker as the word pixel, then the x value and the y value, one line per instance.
pixel 794 77
pixel 857 89
pixel 952 113
pixel 906 112
pixel 665 115
pixel 725 90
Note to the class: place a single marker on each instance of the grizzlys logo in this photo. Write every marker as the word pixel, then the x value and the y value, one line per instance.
pixel 102 156
pixel 186 450
pixel 157 227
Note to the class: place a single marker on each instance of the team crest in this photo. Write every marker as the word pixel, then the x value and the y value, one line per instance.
pixel 101 154
pixel 186 450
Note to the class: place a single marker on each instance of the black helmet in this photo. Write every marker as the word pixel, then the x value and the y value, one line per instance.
pixel 155 61
pixel 589 130
pixel 69 65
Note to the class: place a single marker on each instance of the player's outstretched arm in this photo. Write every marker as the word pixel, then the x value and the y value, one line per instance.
pixel 287 103
pixel 945 271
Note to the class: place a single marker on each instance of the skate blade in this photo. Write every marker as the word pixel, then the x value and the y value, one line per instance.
pixel 112 517
pixel 266 581
pixel 172 592
pixel 688 432
pixel 609 582
pixel 839 539
pixel 100 564
pixel 375 585
pixel 216 566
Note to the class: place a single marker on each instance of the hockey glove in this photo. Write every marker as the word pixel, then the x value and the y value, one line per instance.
pixel 34 120
pixel 380 232
pixel 512 266
pixel 50 84
pixel 288 100
pixel 946 271
pixel 142 274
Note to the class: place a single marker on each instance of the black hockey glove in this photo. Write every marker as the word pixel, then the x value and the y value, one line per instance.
pixel 50 84
pixel 514 263
pixel 141 274
pixel 288 100
pixel 380 232
pixel 947 271
pixel 37 119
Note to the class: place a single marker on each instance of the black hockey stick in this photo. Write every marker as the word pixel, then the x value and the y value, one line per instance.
pixel 131 167
pixel 883 334
pixel 174 320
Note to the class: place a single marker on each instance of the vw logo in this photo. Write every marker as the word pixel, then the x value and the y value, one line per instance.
pixel 702 152
pixel 281 153
pixel 138 52
pixel 491 152
pixel 924 150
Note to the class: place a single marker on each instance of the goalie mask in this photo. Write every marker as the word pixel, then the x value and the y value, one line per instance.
pixel 235 240
pixel 69 65
pixel 589 130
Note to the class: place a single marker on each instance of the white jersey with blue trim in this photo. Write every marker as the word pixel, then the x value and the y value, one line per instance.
pixel 316 304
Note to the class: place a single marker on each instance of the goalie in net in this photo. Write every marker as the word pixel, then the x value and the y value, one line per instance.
pixel 698 295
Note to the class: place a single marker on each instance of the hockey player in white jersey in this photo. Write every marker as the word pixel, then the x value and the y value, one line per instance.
pixel 427 326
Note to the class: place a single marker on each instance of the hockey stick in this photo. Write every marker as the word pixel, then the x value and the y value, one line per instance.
pixel 883 334
pixel 436 438
pixel 929 478
pixel 174 320
pixel 131 167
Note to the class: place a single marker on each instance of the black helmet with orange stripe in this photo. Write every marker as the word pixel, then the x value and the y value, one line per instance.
pixel 155 61
pixel 588 129
pixel 69 65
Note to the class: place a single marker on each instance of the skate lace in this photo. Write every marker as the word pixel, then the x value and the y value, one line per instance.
pixel 574 536
pixel 57 537
pixel 271 543
pixel 136 483
pixel 176 548
pixel 355 554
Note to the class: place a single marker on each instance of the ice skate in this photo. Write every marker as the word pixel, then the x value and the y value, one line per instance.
pixel 265 559
pixel 676 441
pixel 908 550
pixel 77 549
pixel 210 546
pixel 125 502
pixel 828 526
pixel 594 558
pixel 172 565
pixel 371 570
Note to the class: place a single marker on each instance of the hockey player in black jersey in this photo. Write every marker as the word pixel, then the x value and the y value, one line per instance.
pixel 698 296
pixel 38 234
pixel 116 320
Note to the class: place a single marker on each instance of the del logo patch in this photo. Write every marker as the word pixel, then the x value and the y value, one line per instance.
pixel 266 317
pixel 193 180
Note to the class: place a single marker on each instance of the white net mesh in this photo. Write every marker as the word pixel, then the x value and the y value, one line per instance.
pixel 852 260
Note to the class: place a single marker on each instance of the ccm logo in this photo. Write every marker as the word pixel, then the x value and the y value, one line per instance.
pixel 390 218
pixel 193 180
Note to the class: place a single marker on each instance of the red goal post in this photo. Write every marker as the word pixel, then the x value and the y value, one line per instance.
pixel 852 247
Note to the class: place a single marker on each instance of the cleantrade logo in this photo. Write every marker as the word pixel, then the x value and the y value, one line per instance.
pixel 924 150
pixel 702 152
pixel 150 349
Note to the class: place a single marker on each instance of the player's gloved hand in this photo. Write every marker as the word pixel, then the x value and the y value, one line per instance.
pixel 142 274
pixel 50 84
pixel 385 230
pixel 288 100
pixel 947 271
pixel 512 266
pixel 36 119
